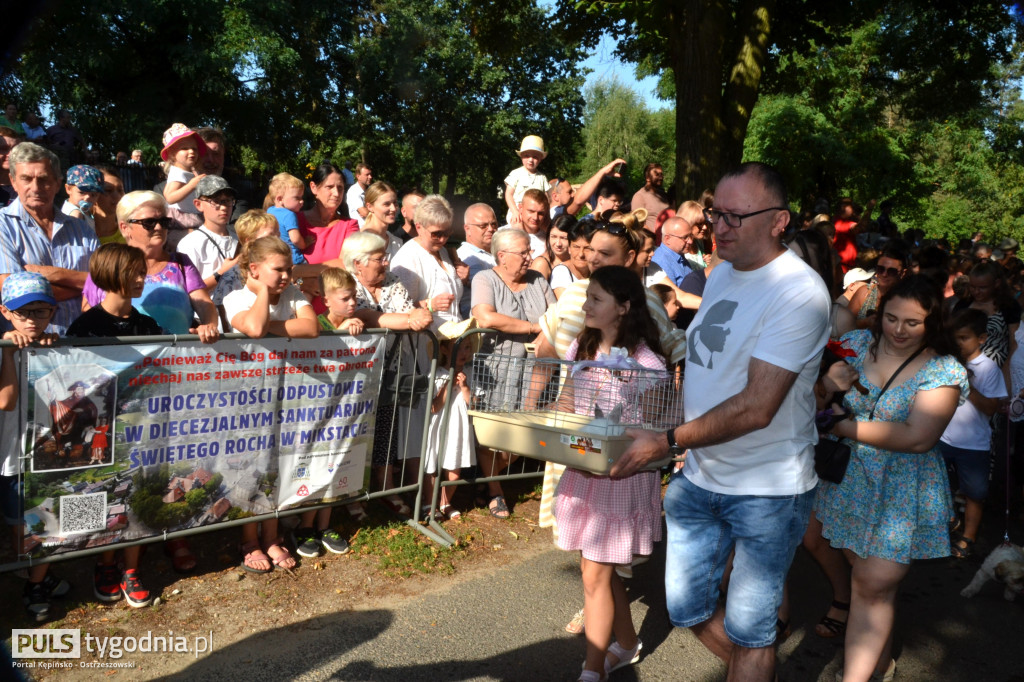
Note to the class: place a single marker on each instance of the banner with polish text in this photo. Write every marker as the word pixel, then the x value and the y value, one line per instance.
pixel 127 442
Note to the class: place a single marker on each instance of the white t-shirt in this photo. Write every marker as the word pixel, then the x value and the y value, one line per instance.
pixel 778 314
pixel 207 250
pixel 561 276
pixel 286 308
pixel 354 198
pixel 970 428
pixel 175 174
pixel 653 274
pixel 69 209
pixel 538 242
pixel 478 260
pixel 521 180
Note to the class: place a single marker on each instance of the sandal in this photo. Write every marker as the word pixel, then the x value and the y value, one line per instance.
pixel 623 657
pixel 397 505
pixel 282 558
pixel 828 628
pixel 960 547
pixel 358 512
pixel 497 507
pixel 449 512
pixel 591 676
pixel 181 555
pixel 575 626
pixel 782 631
pixel 252 556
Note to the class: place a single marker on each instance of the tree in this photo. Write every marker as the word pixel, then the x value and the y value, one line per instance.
pixel 719 53
pixel 617 124
pixel 853 128
pixel 434 93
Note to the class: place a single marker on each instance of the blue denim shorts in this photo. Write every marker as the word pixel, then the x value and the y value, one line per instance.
pixel 972 469
pixel 703 528
pixel 10 499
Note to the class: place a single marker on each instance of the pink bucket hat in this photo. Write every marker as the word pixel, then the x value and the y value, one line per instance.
pixel 179 131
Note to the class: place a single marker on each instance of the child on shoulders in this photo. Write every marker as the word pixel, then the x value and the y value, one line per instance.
pixel 531 153
pixel 284 202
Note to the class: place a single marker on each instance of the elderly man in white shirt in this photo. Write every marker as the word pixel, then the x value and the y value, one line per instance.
pixel 480 222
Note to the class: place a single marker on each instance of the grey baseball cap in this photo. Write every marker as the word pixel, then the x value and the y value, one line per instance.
pixel 213 184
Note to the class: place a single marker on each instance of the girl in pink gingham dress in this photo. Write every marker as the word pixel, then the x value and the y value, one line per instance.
pixel 609 520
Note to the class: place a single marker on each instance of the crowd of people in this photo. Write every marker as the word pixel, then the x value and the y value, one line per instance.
pixel 741 292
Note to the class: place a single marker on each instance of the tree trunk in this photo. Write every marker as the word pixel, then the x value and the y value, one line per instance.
pixel 753 24
pixel 696 61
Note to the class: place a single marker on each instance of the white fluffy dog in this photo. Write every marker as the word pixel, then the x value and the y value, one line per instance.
pixel 1004 565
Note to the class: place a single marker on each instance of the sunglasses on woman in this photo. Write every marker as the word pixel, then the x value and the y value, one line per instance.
pixel 151 223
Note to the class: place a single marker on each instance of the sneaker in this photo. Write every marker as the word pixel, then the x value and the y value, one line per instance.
pixel 333 542
pixel 307 543
pixel 106 582
pixel 135 594
pixel 37 601
pixel 56 587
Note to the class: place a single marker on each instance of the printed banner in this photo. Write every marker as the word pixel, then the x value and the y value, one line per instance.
pixel 125 442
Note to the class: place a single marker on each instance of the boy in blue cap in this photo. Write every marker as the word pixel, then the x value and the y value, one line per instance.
pixel 28 303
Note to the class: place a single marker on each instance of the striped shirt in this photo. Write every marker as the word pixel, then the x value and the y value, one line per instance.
pixel 23 242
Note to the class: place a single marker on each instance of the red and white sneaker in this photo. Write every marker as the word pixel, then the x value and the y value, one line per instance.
pixel 135 594
pixel 106 582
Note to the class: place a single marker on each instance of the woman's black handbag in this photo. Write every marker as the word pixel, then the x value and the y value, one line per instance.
pixel 831 457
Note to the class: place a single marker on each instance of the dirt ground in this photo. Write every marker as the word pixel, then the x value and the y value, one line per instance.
pixel 389 561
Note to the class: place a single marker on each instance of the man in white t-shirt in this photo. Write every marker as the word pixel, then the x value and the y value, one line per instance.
pixel 354 196
pixel 534 218
pixel 753 353
pixel 480 223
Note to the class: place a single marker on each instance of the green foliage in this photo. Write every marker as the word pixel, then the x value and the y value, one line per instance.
pixel 196 500
pixel 846 118
pixel 214 483
pixel 429 93
pixel 237 513
pixel 617 124
pixel 401 551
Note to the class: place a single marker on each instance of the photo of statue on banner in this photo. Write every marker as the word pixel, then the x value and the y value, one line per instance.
pixel 79 401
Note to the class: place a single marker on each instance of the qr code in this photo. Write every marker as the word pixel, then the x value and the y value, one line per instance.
pixel 83 513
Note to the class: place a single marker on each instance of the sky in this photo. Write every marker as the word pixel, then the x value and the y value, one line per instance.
pixel 603 64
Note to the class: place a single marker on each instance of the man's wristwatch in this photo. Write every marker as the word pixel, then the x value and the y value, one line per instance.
pixel 674 448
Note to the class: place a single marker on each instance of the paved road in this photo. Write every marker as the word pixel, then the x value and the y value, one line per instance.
pixel 507 626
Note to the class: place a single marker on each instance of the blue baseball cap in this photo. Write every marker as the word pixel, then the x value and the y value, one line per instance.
pixel 22 288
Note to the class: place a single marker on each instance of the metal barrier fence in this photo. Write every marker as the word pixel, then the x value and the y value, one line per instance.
pixel 407 387
pixel 489 472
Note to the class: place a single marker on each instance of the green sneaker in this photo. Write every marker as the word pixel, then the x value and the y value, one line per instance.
pixel 306 543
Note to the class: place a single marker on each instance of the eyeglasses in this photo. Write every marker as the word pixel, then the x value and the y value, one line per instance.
pixel 151 223
pixel 33 313
pixel 521 254
pixel 439 235
pixel 888 272
pixel 223 203
pixel 383 260
pixel 685 238
pixel 712 215
pixel 493 225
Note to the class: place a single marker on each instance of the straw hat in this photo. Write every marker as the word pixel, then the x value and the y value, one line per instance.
pixel 533 143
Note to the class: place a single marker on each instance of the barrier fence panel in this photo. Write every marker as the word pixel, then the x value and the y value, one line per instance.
pixel 127 441
pixel 492 467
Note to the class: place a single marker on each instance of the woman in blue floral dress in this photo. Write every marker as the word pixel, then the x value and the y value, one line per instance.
pixel 894 502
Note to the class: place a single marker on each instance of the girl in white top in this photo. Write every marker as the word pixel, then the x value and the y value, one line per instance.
pixel 269 303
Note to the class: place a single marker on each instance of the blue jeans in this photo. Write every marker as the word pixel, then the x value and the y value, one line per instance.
pixel 703 528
